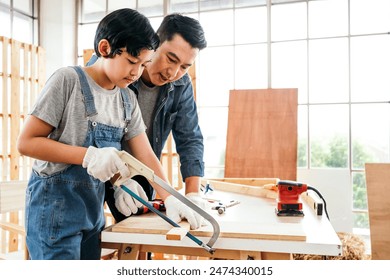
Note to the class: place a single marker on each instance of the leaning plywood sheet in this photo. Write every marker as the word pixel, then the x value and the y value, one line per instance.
pixel 262 134
pixel 378 183
pixel 253 217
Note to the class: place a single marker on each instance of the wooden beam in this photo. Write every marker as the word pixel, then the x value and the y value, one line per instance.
pixel 268 190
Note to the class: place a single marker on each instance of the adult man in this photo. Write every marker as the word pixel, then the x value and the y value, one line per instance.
pixel 165 96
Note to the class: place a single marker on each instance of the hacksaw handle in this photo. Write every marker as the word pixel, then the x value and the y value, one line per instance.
pixel 135 167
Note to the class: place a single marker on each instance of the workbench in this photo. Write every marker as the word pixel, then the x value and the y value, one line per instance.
pixel 249 230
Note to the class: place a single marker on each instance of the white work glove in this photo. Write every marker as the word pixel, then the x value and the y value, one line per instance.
pixel 124 202
pixel 177 210
pixel 103 163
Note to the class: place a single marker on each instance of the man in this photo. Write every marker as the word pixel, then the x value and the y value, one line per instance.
pixel 165 96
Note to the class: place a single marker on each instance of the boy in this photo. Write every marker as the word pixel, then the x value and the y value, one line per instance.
pixel 74 131
pixel 166 98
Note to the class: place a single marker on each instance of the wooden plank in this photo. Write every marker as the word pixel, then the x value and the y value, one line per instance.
pixel 237 222
pixel 41 68
pixel 266 190
pixel 229 229
pixel 378 183
pixel 5 128
pixel 262 134
pixel 176 233
pixel 245 181
pixel 26 79
pixel 34 76
pixel 15 108
pixel 314 202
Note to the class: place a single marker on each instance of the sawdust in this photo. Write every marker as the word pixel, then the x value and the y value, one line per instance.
pixel 353 249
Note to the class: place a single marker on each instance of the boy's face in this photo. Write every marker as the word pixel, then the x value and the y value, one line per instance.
pixel 170 62
pixel 124 69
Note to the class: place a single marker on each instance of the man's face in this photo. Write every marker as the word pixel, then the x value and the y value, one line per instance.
pixel 170 62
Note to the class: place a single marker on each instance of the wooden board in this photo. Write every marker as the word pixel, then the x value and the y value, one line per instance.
pixel 252 219
pixel 262 134
pixel 245 181
pixel 268 190
pixel 378 183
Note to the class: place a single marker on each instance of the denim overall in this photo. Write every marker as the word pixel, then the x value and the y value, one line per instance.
pixel 64 211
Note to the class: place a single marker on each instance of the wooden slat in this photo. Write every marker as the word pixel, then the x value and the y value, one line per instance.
pixel 267 190
pixel 26 106
pixel 4 154
pixel 15 107
pixel 26 51
pixel 41 68
pixel 245 181
pixel 34 76
pixel 12 227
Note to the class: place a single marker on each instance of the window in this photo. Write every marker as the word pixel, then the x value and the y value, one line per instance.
pixel 339 63
pixel 19 20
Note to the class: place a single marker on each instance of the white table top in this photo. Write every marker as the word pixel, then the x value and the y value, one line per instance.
pixel 252 225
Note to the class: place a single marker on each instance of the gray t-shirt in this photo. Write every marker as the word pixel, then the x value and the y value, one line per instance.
pixel 61 105
pixel 147 99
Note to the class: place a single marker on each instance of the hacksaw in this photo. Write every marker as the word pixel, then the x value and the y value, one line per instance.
pixel 138 168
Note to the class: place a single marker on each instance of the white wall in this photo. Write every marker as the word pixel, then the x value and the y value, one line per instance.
pixel 335 186
pixel 57 33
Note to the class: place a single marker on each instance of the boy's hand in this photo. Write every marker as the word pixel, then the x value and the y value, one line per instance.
pixel 103 163
pixel 177 210
pixel 124 202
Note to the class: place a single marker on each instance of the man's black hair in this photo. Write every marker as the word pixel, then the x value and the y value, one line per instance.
pixel 126 28
pixel 189 28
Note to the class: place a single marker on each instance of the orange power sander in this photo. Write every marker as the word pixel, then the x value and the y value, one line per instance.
pixel 289 203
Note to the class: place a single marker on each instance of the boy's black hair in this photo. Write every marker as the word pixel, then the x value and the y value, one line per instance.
pixel 189 28
pixel 126 28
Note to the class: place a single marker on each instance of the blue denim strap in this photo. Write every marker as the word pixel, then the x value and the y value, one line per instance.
pixel 86 91
pixel 126 104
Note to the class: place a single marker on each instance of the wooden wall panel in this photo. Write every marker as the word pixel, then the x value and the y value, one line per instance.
pixel 262 134
pixel 378 183
pixel 22 76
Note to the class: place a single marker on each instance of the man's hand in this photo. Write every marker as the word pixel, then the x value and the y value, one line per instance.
pixel 124 202
pixel 103 163
pixel 177 210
